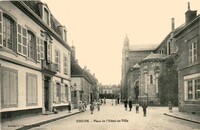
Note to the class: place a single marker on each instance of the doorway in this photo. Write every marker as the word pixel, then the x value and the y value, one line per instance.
pixel 46 93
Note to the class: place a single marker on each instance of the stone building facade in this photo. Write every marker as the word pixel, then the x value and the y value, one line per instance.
pixel 34 60
pixel 177 53
pixel 188 42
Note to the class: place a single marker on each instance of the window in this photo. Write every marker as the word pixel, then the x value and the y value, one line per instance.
pixel 49 51
pixel 57 60
pixel 192 53
pixel 197 89
pixel 9 95
pixel 41 49
pixel 192 90
pixel 8 32
pixel 73 93
pixel 65 35
pixel 31 89
pixel 1 26
pixel 151 79
pixel 58 92
pixel 22 47
pixel 31 45
pixel 65 64
pixel 46 16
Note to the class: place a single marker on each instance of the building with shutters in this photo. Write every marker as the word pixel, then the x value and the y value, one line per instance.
pixel 34 60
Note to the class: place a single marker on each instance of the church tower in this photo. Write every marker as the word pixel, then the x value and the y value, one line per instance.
pixel 125 64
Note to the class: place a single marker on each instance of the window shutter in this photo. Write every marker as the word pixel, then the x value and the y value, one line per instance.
pixel 49 51
pixel 61 92
pixel 41 49
pixel 13 87
pixel 1 28
pixel 38 49
pixel 59 60
pixel 22 47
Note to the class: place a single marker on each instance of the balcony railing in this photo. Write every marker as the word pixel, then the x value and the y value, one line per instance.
pixel 49 67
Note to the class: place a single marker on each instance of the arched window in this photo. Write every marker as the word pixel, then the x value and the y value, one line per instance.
pixel 151 79
pixel 8 32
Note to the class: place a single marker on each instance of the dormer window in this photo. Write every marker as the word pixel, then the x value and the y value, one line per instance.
pixel 65 35
pixel 46 15
pixel 63 32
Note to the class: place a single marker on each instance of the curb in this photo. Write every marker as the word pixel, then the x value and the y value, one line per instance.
pixel 46 121
pixel 178 117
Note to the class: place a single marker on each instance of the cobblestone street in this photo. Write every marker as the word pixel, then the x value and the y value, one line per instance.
pixel 116 118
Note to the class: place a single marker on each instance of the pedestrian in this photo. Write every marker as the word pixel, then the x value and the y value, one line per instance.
pixel 112 102
pixel 91 107
pixel 69 108
pixel 98 105
pixel 104 100
pixel 115 101
pixel 130 104
pixel 118 100
pixel 137 107
pixel 144 106
pixel 170 106
pixel 125 104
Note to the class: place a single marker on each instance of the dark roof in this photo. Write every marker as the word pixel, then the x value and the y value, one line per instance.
pixel 186 25
pixel 143 47
pixel 153 57
pixel 77 71
pixel 36 6
pixel 169 35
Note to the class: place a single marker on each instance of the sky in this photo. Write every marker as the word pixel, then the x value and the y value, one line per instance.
pixel 97 28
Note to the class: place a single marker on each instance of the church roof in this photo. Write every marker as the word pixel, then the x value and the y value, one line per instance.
pixel 143 47
pixel 154 57
pixel 136 66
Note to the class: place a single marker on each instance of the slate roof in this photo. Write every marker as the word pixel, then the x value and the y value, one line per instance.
pixel 77 71
pixel 154 57
pixel 143 47
pixel 36 6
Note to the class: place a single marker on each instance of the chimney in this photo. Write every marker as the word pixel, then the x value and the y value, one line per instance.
pixel 190 15
pixel 172 24
pixel 76 61
pixel 73 52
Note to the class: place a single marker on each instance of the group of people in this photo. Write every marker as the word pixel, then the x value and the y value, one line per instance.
pixel 137 105
pixel 97 104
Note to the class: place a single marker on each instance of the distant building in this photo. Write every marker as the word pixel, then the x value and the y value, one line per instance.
pixel 83 84
pixel 34 60
pixel 109 91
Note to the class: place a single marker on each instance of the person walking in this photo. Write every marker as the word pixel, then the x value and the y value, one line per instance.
pixel 91 107
pixel 137 107
pixel 170 106
pixel 98 105
pixel 125 104
pixel 144 106
pixel 69 108
pixel 130 104
pixel 104 100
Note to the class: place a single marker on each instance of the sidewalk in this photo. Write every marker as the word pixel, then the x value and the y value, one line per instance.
pixel 195 118
pixel 30 122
